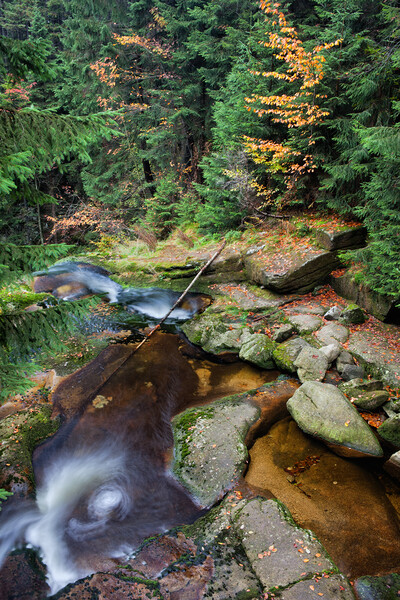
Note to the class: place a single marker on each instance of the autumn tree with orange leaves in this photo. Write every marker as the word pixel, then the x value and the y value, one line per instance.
pixel 298 110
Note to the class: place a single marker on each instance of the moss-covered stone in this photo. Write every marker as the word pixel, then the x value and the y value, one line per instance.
pixel 209 452
pixel 286 353
pixel 386 587
pixel 390 430
pixel 258 349
pixel 20 434
pixel 352 315
pixel 215 334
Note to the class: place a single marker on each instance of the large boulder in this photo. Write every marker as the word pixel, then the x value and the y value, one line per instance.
pixel 321 410
pixel 375 304
pixel 300 272
pixel 210 453
pixel 312 364
pixel 285 354
pixel 258 349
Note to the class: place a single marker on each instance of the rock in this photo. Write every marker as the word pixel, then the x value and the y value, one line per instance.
pixel 390 430
pixel 285 354
pixel 373 350
pixel 333 313
pixel 370 400
pixel 273 548
pixel 375 304
pixel 386 587
pixel 311 364
pixel 10 408
pixel 344 359
pixel 283 333
pixel 305 323
pixel 357 386
pixel 334 587
pixel 331 352
pixel 392 466
pixel 106 585
pixel 20 433
pixel 392 408
pixel 210 452
pixel 23 576
pixel 352 372
pixel 257 349
pixel 354 237
pixel 301 273
pixel 321 410
pixel 332 333
pixel 352 315
pixel 215 335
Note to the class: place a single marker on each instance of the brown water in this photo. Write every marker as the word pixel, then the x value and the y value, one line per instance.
pixel 103 481
pixel 346 502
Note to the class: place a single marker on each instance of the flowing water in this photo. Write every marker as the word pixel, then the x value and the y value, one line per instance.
pixel 103 481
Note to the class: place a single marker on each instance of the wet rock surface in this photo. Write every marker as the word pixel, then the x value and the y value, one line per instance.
pixel 340 500
pixel 23 577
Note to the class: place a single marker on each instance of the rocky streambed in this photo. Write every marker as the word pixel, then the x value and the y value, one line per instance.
pixel 294 480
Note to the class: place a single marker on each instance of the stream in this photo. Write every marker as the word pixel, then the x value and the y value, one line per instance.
pixel 103 481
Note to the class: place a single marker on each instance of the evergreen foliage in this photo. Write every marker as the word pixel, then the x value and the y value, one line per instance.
pixel 177 75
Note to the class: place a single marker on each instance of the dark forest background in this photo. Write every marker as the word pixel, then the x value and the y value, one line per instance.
pixel 119 117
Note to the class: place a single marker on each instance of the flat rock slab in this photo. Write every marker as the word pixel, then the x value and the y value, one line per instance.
pixel 354 237
pixel 300 272
pixel 244 298
pixel 326 587
pixel 210 453
pixel 378 356
pixel 321 410
pixel 280 552
pixel 305 323
pixel 332 333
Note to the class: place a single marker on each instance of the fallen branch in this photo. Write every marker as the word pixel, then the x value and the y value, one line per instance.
pixel 181 297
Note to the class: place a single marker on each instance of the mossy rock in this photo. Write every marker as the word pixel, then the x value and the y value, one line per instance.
pixel 390 430
pixel 216 335
pixel 352 315
pixel 286 353
pixel 258 349
pixel 20 434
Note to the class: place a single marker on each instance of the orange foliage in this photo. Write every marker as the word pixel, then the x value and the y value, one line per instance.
pixel 299 110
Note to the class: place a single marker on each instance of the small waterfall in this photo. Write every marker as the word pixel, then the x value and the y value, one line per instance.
pixel 93 505
pixel 69 280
